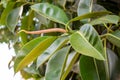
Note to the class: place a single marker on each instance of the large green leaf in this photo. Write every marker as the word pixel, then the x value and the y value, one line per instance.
pixel 31 51
pixel 51 12
pixel 106 19
pixel 5 13
pixel 97 69
pixel 27 48
pixel 114 38
pixel 56 64
pixel 84 6
pixel 92 69
pixel 57 44
pixel 89 15
pixel 13 17
pixel 87 42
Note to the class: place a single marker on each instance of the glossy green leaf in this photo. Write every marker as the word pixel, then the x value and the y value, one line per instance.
pixel 51 12
pixel 73 56
pixel 84 6
pixel 13 17
pixel 30 53
pixel 97 69
pixel 89 15
pixel 87 42
pixel 92 69
pixel 56 64
pixel 5 13
pixel 106 19
pixel 57 44
pixel 114 38
pixel 88 69
pixel 42 19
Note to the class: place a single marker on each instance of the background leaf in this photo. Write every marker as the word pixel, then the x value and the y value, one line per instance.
pixel 84 6
pixel 87 42
pixel 26 22
pixel 5 13
pixel 106 19
pixel 114 38
pixel 113 61
pixel 13 17
pixel 30 72
pixel 51 12
pixel 32 54
pixel 89 15
pixel 57 44
pixel 56 64
pixel 62 3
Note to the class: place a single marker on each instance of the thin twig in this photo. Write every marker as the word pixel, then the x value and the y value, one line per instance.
pixel 45 31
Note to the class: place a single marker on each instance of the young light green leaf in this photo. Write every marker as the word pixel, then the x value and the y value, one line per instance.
pixel 84 6
pixel 106 19
pixel 56 64
pixel 28 53
pixel 87 42
pixel 89 15
pixel 13 17
pixel 26 49
pixel 51 12
pixel 57 44
pixel 114 38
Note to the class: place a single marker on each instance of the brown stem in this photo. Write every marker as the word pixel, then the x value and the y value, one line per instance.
pixel 45 31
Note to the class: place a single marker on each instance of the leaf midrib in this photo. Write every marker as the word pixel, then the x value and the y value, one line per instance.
pixel 91 46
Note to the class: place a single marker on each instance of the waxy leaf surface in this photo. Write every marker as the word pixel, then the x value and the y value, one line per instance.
pixel 56 64
pixel 114 38
pixel 87 42
pixel 57 44
pixel 31 51
pixel 51 12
